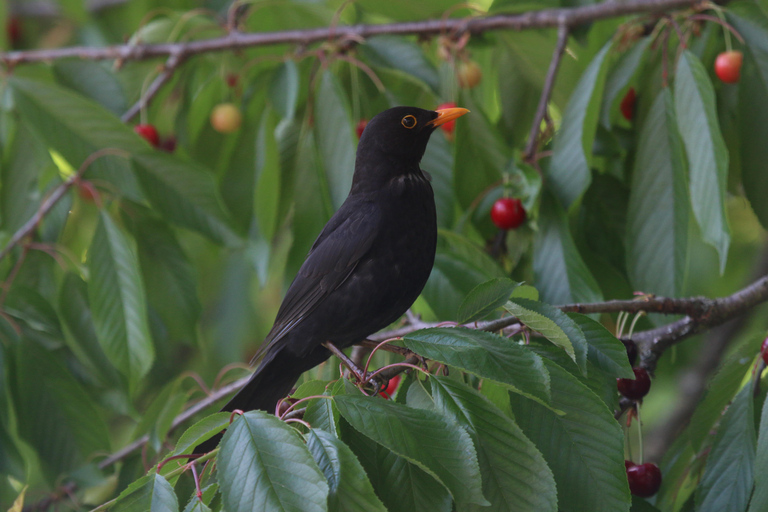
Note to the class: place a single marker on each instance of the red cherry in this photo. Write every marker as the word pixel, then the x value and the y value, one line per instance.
pixel 232 80
pixel 168 144
pixel 644 479
pixel 148 132
pixel 508 213
pixel 450 125
pixel 361 124
pixel 728 66
pixel 13 31
pixel 628 464
pixel 764 350
pixel 627 105
pixel 637 388
pixel 391 387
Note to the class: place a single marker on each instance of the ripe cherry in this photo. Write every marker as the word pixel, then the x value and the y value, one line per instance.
pixel 508 213
pixel 450 125
pixel 468 74
pixel 361 124
pixel 635 389
pixel 148 132
pixel 391 387
pixel 764 350
pixel 728 66
pixel 226 118
pixel 627 105
pixel 644 479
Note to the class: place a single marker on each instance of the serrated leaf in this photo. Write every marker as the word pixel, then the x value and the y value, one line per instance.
pixel 605 350
pixel 705 147
pixel 335 139
pixel 118 303
pixel 584 447
pixel 94 80
pixel 486 355
pixel 485 298
pixel 554 325
pixel 759 500
pixel 569 173
pixel 400 484
pixel 150 492
pixel 657 216
pixel 424 438
pixel 515 475
pixel 54 412
pixel 561 274
pixel 201 431
pixel 400 53
pixel 349 487
pixel 726 484
pixel 264 465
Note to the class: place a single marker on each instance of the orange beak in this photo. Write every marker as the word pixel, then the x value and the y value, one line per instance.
pixel 447 114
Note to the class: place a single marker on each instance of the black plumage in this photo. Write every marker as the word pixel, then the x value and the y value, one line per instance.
pixel 366 267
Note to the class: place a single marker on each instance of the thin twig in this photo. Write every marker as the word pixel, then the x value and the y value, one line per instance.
pixel 174 60
pixel 557 56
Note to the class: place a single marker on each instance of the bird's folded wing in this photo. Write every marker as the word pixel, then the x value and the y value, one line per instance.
pixel 346 239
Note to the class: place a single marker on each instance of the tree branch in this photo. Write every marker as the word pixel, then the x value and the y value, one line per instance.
pixel 546 18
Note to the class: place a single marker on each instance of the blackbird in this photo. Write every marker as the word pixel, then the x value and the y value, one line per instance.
pixel 369 264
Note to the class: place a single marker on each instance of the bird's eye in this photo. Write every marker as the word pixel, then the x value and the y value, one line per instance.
pixel 408 121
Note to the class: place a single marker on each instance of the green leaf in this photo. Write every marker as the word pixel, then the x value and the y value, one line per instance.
pixel 424 438
pixel 349 487
pixel 266 201
pixel 264 465
pixel 568 172
pixel 554 325
pixel 118 302
pixel 562 276
pixel 486 355
pixel 400 53
pixel 23 166
pixel 94 80
pixel 729 474
pixel 284 89
pixel 759 500
pixel 657 217
pixel 400 484
pixel 619 77
pixel 605 350
pixel 335 140
pixel 438 162
pixel 201 431
pixel 55 414
pixel 584 447
pixel 515 475
pixel 705 147
pixel 169 278
pixel 481 155
pixel 485 298
pixel 752 23
pixel 150 492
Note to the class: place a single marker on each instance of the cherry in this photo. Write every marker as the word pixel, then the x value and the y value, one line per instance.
pixel 627 105
pixel 232 80
pixel 168 144
pixel 764 350
pixel 508 213
pixel 226 118
pixel 468 74
pixel 631 351
pixel 450 125
pixel 13 31
pixel 361 124
pixel 728 66
pixel 644 479
pixel 637 388
pixel 391 387
pixel 148 132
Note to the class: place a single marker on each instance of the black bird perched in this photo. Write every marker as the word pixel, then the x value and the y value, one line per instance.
pixel 368 265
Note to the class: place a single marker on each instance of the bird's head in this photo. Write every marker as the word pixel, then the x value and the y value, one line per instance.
pixel 399 136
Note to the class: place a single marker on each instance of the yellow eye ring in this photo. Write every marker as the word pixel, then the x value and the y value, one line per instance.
pixel 408 121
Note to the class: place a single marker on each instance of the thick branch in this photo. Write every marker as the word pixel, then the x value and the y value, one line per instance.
pixel 547 18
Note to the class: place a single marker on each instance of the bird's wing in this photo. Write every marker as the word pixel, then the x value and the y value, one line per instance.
pixel 346 238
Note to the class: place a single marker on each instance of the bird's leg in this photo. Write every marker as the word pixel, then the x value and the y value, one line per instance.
pixel 360 374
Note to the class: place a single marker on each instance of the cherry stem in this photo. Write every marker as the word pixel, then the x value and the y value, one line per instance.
pixel 639 431
pixel 721 18
pixel 395 365
pixel 305 399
